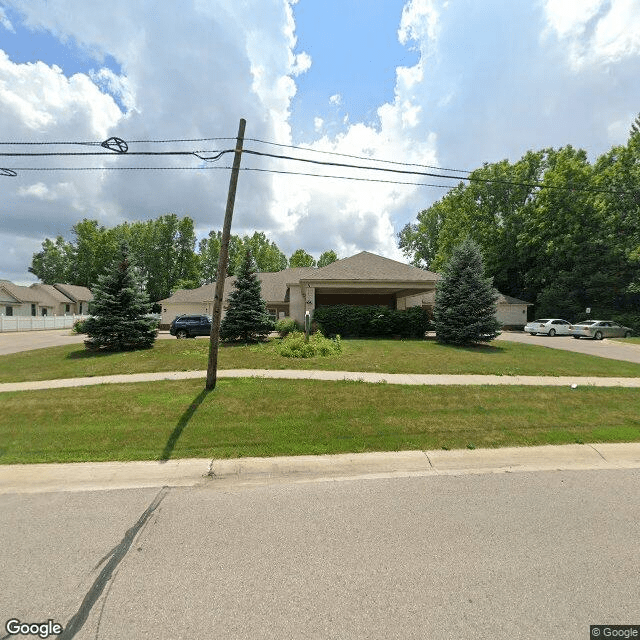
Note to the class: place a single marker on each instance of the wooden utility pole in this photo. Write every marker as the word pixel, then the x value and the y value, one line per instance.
pixel 223 261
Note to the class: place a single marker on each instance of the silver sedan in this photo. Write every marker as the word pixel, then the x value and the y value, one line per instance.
pixel 548 326
pixel 599 329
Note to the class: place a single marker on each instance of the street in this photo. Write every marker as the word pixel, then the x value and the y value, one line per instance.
pixel 495 556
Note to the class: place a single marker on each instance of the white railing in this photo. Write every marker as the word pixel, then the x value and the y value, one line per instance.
pixel 37 323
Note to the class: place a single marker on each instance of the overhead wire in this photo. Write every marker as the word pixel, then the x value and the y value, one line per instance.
pixel 117 146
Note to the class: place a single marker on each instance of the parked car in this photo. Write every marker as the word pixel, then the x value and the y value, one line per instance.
pixel 190 326
pixel 549 327
pixel 598 329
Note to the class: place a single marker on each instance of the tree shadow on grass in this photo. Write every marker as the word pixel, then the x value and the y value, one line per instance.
pixel 476 347
pixel 182 423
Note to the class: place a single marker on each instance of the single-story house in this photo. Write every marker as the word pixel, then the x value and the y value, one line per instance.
pixel 43 299
pixel 362 279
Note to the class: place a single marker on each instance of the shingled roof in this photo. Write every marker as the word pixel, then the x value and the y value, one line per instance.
pixel 75 292
pixel 273 287
pixel 367 266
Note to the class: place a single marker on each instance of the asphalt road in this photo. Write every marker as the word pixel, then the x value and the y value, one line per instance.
pixel 614 349
pixel 500 557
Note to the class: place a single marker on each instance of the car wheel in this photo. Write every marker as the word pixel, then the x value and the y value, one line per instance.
pixel 533 333
pixel 577 337
pixel 181 334
pixel 598 335
pixel 552 332
pixel 627 334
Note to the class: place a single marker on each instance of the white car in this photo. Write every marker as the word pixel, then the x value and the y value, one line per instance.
pixel 550 327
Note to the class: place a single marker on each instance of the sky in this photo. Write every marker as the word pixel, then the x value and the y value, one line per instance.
pixel 443 83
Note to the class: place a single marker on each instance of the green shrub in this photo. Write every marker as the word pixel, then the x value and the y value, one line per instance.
pixel 286 326
pixel 78 326
pixel 371 321
pixel 296 346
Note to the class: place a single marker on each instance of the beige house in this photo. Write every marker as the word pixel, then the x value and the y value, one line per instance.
pixel 43 300
pixel 363 279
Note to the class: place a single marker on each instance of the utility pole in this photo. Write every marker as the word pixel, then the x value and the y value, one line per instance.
pixel 223 261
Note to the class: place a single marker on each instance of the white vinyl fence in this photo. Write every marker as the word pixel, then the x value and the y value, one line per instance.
pixel 37 323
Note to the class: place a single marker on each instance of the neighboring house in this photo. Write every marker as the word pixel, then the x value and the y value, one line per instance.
pixel 42 300
pixel 363 279
pixel 79 296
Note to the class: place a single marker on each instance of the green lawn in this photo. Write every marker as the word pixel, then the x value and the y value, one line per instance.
pixel 251 417
pixel 388 356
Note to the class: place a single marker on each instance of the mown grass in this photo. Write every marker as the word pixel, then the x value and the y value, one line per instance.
pixel 253 417
pixel 388 356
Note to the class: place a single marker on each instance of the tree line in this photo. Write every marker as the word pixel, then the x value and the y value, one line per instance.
pixel 568 245
pixel 163 251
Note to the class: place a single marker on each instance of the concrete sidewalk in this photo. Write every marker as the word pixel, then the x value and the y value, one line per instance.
pixel 295 374
pixel 247 472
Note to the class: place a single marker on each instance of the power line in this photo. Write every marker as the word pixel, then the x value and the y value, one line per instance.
pixel 348 155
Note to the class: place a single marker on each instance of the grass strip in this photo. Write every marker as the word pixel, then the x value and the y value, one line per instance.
pixel 254 417
pixel 383 356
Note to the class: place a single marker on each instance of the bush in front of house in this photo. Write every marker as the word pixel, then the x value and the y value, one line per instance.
pixel 285 326
pixel 79 326
pixel 295 345
pixel 371 321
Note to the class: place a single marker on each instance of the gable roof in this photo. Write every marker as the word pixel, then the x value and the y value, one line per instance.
pixel 20 293
pixel 50 292
pixel 75 292
pixel 273 287
pixel 367 266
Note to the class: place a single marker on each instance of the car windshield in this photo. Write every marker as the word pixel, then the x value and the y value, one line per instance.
pixel 587 322
pixel 542 321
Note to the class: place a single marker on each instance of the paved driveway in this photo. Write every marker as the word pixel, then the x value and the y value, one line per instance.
pixel 616 350
pixel 16 341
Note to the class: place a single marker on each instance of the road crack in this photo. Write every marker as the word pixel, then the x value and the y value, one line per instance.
pixel 113 560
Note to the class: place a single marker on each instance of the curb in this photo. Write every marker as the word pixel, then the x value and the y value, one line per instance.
pixel 247 472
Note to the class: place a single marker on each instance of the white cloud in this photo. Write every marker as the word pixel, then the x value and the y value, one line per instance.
pixel 5 22
pixel 317 124
pixel 37 97
pixel 595 31
pixel 335 99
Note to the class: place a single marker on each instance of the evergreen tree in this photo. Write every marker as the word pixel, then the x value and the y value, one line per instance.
pixel 465 305
pixel 118 320
pixel 246 318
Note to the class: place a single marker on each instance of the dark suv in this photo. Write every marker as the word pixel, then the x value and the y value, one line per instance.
pixel 190 326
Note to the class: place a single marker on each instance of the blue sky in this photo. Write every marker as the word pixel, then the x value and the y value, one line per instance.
pixel 355 51
pixel 452 83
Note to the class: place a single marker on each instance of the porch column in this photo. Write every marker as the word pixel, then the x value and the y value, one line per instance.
pixel 310 299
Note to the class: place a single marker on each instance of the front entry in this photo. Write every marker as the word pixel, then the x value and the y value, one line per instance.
pixel 356 299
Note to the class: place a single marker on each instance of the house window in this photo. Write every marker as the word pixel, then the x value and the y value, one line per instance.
pixel 67 308
pixel 44 311
pixel 9 310
pixel 80 312
pixel 33 309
